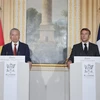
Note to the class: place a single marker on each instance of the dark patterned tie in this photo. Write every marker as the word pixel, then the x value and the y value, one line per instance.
pixel 15 50
pixel 85 48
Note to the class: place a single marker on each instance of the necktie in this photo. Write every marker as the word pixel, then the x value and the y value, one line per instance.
pixel 15 50
pixel 85 48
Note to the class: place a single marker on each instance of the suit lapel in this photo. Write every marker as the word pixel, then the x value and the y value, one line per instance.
pixel 81 47
pixel 89 49
pixel 18 51
pixel 89 46
pixel 81 51
pixel 11 50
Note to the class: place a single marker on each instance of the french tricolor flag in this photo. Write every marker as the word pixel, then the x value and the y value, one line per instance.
pixel 98 38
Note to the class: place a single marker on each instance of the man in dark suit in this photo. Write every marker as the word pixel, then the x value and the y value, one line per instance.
pixel 85 48
pixel 15 47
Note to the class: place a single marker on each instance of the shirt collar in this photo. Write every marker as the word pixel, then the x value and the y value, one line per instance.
pixel 85 43
pixel 15 43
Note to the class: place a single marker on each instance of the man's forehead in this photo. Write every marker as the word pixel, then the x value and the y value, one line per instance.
pixel 15 31
pixel 85 31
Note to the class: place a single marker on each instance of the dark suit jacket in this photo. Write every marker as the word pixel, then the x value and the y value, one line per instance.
pixel 78 51
pixel 23 50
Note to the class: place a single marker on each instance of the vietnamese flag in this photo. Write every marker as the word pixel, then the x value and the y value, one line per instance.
pixel 1 37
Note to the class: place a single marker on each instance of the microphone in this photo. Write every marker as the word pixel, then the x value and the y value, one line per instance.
pixel 18 53
pixel 6 53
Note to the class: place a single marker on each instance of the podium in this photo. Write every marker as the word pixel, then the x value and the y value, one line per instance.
pixel 14 83
pixel 76 90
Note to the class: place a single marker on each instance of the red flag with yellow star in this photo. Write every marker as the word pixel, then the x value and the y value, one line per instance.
pixel 1 37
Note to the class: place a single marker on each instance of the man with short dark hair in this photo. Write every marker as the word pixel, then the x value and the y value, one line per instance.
pixel 85 48
pixel 15 47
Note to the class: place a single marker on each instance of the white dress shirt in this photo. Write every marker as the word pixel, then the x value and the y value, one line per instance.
pixel 14 45
pixel 87 44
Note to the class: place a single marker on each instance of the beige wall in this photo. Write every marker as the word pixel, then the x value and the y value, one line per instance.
pixel 13 14
pixel 81 13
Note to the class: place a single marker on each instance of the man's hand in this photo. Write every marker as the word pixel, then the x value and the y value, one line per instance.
pixel 30 64
pixel 68 63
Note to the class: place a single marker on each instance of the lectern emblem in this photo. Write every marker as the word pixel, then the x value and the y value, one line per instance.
pixel 10 68
pixel 88 70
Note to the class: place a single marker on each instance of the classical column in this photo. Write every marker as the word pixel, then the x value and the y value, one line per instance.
pixel 46 11
pixel 46 27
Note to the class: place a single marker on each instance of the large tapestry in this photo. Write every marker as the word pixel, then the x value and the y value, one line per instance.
pixel 46 33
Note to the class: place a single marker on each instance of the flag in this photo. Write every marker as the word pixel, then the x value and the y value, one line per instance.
pixel 98 38
pixel 1 37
